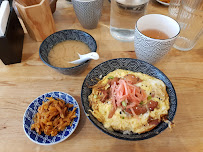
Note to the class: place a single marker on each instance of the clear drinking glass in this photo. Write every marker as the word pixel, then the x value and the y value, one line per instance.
pixel 190 18
pixel 173 8
pixel 124 14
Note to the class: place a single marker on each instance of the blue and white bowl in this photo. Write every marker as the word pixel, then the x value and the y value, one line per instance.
pixel 65 35
pixel 134 65
pixel 32 110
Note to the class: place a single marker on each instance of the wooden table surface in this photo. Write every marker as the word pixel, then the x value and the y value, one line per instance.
pixel 21 83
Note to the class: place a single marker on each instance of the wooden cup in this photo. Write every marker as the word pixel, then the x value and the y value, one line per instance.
pixel 37 17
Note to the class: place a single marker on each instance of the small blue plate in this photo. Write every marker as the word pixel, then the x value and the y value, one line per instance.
pixel 32 110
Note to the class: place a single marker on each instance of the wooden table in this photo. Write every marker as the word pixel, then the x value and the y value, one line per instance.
pixel 21 83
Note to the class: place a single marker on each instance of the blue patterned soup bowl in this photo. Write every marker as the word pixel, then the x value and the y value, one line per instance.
pixel 134 65
pixel 65 35
pixel 33 109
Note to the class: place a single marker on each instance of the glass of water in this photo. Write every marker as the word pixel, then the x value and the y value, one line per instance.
pixel 124 14
pixel 173 8
pixel 190 18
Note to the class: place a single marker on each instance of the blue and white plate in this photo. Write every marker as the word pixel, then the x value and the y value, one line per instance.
pixel 163 3
pixel 32 110
pixel 134 65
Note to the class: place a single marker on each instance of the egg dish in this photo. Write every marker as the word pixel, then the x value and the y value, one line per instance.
pixel 129 101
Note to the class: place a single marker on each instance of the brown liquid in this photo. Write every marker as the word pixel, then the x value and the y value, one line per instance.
pixel 156 34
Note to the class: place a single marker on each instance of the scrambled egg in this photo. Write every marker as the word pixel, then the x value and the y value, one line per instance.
pixel 123 121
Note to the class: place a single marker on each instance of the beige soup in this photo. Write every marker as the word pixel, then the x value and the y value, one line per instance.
pixel 66 51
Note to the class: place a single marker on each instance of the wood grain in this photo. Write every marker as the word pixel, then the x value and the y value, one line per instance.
pixel 21 83
pixel 37 17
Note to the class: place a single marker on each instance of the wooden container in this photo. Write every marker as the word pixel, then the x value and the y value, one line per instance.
pixel 37 17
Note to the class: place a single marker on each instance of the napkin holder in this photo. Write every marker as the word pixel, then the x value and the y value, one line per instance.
pixel 11 44
pixel 37 18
